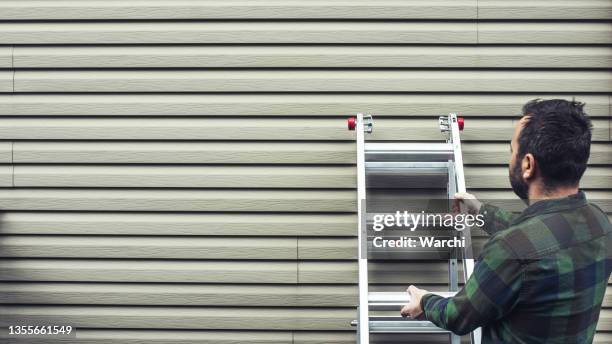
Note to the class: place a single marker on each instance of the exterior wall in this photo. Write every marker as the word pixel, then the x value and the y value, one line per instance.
pixel 180 171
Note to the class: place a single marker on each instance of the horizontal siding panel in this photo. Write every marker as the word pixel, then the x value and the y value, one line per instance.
pixel 6 56
pixel 177 224
pixel 192 176
pixel 240 318
pixel 490 105
pixel 329 9
pixel 44 246
pixel 6 152
pixel 499 153
pixel 95 270
pixel 226 200
pixel 564 9
pixel 179 200
pixel 334 272
pixel 112 10
pixel 306 32
pixel 310 57
pixel 311 81
pixel 327 248
pixel 497 177
pixel 179 294
pixel 6 81
pixel 235 152
pixel 246 32
pixel 123 336
pixel 219 271
pixel 182 152
pixel 115 336
pixel 230 129
pixel 82 270
pixel 240 129
pixel 6 175
pixel 189 294
pixel 152 176
pixel 148 247
pixel 544 33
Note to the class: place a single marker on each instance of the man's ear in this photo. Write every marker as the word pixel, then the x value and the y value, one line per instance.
pixel 528 166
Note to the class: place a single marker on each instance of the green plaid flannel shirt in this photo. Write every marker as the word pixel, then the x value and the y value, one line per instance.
pixel 541 277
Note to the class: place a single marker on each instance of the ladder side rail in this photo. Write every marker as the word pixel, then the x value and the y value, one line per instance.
pixel 468 263
pixel 453 268
pixel 363 311
pixel 453 273
pixel 460 187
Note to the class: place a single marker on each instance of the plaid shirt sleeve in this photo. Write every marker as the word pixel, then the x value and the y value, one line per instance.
pixel 490 292
pixel 495 218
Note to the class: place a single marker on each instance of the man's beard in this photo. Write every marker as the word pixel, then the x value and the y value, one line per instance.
pixel 520 188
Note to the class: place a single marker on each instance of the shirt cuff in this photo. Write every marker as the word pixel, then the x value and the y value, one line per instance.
pixel 424 302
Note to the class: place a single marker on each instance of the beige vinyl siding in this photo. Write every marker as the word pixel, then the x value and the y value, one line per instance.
pixel 181 172
pixel 304 81
pixel 6 56
pixel 272 56
pixel 432 9
pixel 181 153
pixel 238 129
pixel 174 224
pixel 308 32
pixel 481 105
pixel 151 176
pixel 6 81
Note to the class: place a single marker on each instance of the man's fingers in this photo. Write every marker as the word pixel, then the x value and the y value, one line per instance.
pixel 458 200
pixel 406 311
pixel 413 292
pixel 460 196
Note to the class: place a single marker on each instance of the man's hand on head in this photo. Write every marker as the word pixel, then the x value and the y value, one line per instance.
pixel 413 308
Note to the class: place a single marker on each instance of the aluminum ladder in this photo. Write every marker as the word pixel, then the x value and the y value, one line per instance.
pixel 399 158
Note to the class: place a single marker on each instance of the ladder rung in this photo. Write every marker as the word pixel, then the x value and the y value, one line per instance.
pixel 393 151
pixel 402 296
pixel 394 300
pixel 401 325
pixel 407 167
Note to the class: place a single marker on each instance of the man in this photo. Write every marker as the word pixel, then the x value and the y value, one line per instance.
pixel 542 276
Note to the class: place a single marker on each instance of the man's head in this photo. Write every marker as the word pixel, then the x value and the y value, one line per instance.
pixel 550 146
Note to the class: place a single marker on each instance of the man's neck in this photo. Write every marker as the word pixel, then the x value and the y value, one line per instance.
pixel 538 192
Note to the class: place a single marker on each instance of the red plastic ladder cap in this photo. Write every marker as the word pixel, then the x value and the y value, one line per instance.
pixel 352 123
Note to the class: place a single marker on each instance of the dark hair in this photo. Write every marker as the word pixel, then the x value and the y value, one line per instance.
pixel 558 134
